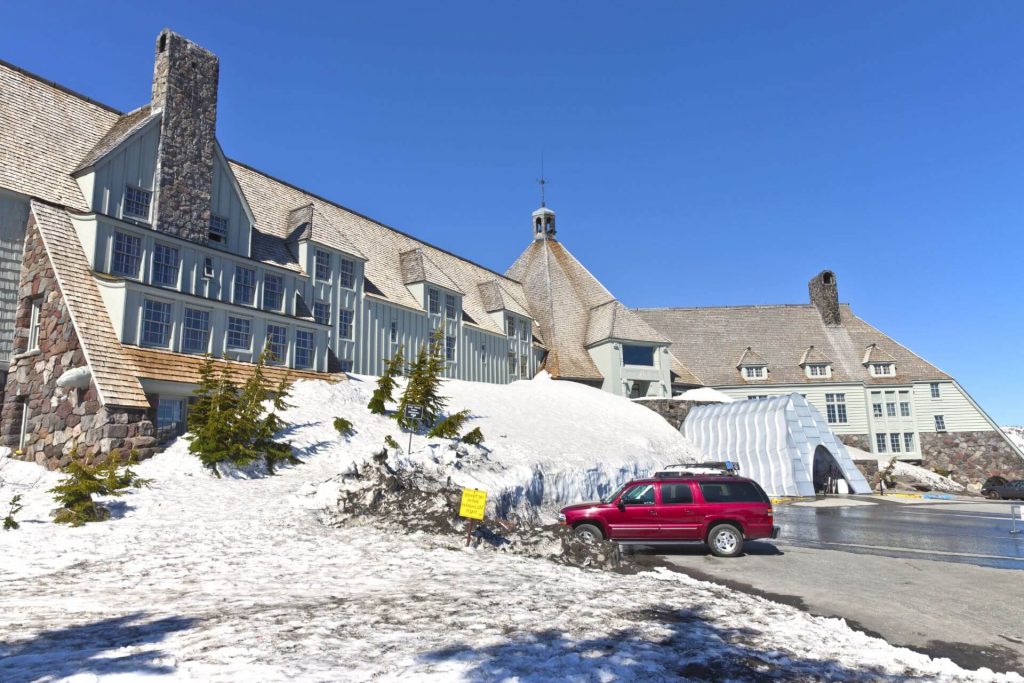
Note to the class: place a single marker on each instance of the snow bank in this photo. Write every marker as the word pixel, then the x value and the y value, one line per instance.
pixel 704 394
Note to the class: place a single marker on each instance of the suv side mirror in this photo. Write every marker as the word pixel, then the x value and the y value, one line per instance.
pixel 621 506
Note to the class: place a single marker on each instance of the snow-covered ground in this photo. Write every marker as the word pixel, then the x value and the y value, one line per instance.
pixel 1016 435
pixel 208 579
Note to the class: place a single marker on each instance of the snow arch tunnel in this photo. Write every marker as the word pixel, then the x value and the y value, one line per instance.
pixel 782 443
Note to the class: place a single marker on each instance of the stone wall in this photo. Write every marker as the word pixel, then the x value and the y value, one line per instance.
pixel 61 420
pixel 672 410
pixel 971 456
pixel 861 441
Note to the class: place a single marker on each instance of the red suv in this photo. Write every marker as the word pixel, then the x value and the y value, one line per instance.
pixel 718 510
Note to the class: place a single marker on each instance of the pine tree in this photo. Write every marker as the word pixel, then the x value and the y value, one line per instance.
pixel 383 394
pixel 430 393
pixel 413 389
pixel 75 492
pixel 474 437
pixel 10 524
pixel 449 427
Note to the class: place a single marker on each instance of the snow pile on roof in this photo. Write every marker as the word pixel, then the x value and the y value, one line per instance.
pixel 704 394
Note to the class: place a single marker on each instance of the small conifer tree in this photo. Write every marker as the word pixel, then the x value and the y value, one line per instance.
pixel 390 442
pixel 449 427
pixel 75 492
pixel 10 524
pixel 474 437
pixel 343 426
pixel 424 385
pixel 383 394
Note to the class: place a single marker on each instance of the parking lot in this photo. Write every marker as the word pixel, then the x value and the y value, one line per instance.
pixel 940 577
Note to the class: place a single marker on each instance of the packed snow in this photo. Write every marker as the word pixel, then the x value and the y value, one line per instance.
pixel 207 579
pixel 704 394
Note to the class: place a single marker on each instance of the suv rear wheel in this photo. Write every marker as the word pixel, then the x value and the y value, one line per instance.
pixel 725 540
pixel 588 533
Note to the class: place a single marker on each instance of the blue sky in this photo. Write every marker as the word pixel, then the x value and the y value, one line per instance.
pixel 699 154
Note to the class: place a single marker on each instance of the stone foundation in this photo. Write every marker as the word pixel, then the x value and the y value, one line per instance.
pixel 971 457
pixel 861 441
pixel 869 468
pixel 62 422
pixel 673 411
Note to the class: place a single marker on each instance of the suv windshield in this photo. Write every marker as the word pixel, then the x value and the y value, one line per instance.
pixel 614 494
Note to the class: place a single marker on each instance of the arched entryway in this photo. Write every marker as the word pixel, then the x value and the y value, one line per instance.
pixel 826 472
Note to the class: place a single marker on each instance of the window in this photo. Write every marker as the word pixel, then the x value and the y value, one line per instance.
pixel 273 292
pixel 218 232
pixel 876 409
pixel 641 494
pixel 348 273
pixel 940 423
pixel 755 397
pixel 894 442
pixel 753 371
pixel 732 492
pixel 449 349
pixel 935 389
pixel 322 312
pixel 239 333
pixel 24 431
pixel 525 330
pixel 676 494
pixel 304 350
pixel 904 408
pixel 127 255
pixel 165 265
pixel 433 301
pixel 34 324
pixel 277 343
pixel 835 408
pixel 908 442
pixel 208 267
pixel 637 355
pixel 449 306
pixel 524 366
pixel 393 333
pixel 156 323
pixel 890 409
pixel 195 335
pixel 346 365
pixel 245 286
pixel 345 323
pixel 881 369
pixel 510 326
pixel 817 370
pixel 513 367
pixel 322 265
pixel 170 414
pixel 880 443
pixel 136 203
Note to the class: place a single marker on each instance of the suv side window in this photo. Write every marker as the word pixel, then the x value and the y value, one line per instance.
pixel 730 492
pixel 641 494
pixel 676 494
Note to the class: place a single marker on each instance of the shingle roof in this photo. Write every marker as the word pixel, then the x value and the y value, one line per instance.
pixel 874 354
pixel 814 356
pixel 116 377
pixel 306 222
pixel 418 267
pixel 751 357
pixel 709 340
pixel 123 128
pixel 176 367
pixel 612 320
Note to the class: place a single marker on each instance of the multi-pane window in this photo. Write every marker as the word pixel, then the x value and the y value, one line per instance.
pixel 894 442
pixel 881 369
pixel 890 405
pixel 245 286
pixel 345 323
pixel 273 292
pixel 818 370
pixel 908 442
pixel 876 409
pixel 165 265
pixel 753 371
pixel 277 343
pixel 393 334
pixel 935 389
pixel 136 202
pixel 835 408
pixel 904 404
pixel 322 264
pixel 449 306
pixel 127 255
pixel 510 326
pixel 880 443
pixel 303 349
pixel 156 323
pixel 170 414
pixel 218 231
pixel 322 312
pixel 208 267
pixel 524 330
pixel 433 301
pixel 348 273
pixel 524 366
pixel 34 324
pixel 940 423
pixel 195 334
pixel 756 397
pixel 513 368
pixel 239 333
pixel 449 348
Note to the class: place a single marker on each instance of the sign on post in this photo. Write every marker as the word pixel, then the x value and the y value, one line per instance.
pixel 472 507
pixel 413 413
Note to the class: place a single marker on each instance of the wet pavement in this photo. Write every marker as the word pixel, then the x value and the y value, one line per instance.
pixel 973 532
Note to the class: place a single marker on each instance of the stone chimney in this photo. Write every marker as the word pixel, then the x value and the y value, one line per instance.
pixel 185 90
pixel 825 296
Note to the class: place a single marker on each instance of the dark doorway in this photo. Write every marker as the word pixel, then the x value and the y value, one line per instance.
pixel 826 472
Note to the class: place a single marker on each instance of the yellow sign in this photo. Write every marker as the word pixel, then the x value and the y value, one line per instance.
pixel 473 503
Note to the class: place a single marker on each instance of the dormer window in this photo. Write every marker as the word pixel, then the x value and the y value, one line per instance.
pixel 218 229
pixel 822 370
pixel 754 372
pixel 137 202
pixel 883 369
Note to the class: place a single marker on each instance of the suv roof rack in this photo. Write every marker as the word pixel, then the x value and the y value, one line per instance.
pixel 721 468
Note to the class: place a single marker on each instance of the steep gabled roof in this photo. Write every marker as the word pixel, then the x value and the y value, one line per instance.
pixel 123 128
pixel 874 354
pixel 418 267
pixel 306 222
pixel 751 357
pixel 495 297
pixel 814 356
pixel 612 320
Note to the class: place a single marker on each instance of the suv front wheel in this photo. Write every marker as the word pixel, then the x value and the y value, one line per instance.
pixel 725 540
pixel 589 533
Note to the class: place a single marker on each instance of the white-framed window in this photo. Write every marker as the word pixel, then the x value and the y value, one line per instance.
pixel 883 369
pixel 890 404
pixel 345 317
pixel 935 389
pixel 322 312
pixel 513 364
pixel 304 344
pixel 24 430
pixel 908 442
pixel 817 370
pixel 322 265
pixel 244 292
pixel 754 371
pixel 208 267
pixel 449 348
pixel 239 333
pixel 880 443
pixel 756 397
pixel 835 408
pixel 894 442
pixel 348 273
pixel 904 404
pixel 195 333
pixel 156 323
pixel 940 423
pixel 170 414
pixel 137 202
pixel 876 409
pixel 433 301
pixel 34 323
pixel 127 255
pixel 510 326
pixel 218 232
pixel 393 332
pixel 525 330
pixel 166 264
pixel 633 354
pixel 524 366
pixel 273 292
pixel 449 306
pixel 277 343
